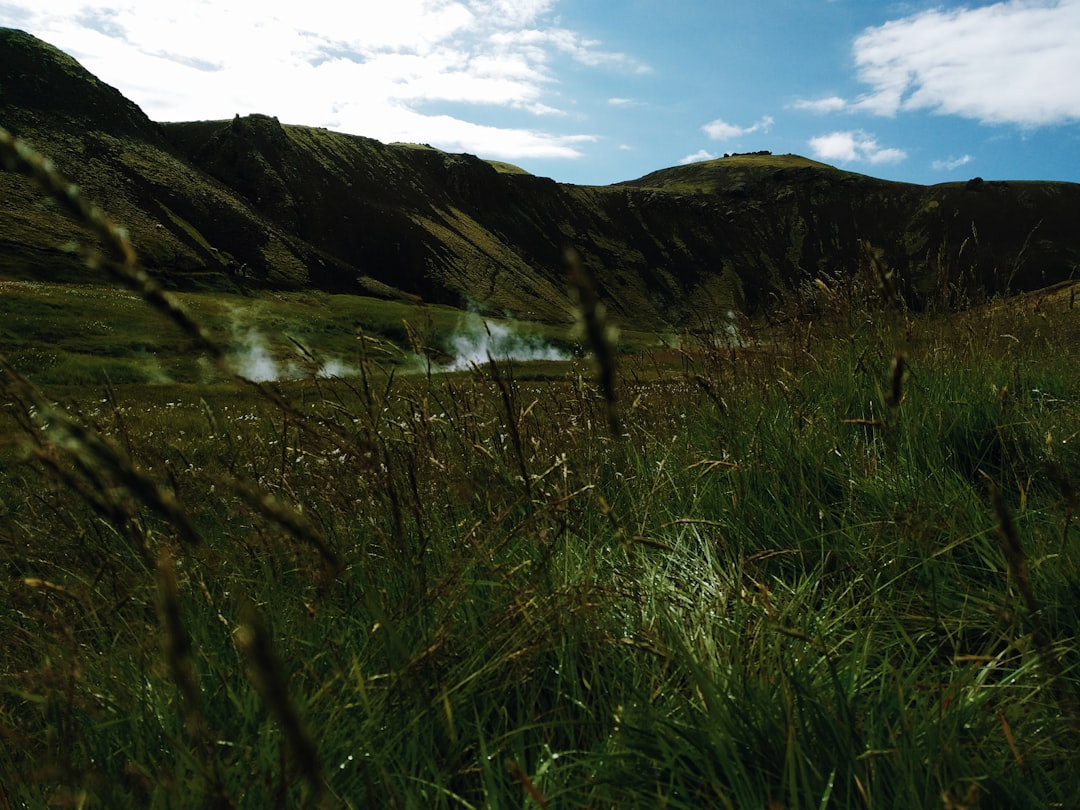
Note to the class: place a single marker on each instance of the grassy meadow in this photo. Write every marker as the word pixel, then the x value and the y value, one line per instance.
pixel 835 565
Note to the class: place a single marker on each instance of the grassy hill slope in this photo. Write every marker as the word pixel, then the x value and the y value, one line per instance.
pixel 303 207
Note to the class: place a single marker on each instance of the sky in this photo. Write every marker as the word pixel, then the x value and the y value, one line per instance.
pixel 599 91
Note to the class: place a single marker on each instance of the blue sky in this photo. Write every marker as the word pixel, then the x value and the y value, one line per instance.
pixel 598 91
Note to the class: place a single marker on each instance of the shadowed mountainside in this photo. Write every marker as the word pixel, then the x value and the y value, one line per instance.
pixel 305 207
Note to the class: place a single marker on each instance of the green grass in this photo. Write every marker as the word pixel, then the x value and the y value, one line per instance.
pixel 792 578
pixel 800 598
pixel 78 334
pixel 503 167
pixel 711 176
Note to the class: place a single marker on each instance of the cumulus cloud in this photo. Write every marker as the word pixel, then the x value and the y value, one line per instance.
pixel 854 146
pixel 1010 62
pixel 698 156
pixel 821 105
pixel 720 130
pixel 388 71
pixel 951 164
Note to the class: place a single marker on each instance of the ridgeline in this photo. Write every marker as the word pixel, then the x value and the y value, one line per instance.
pixel 257 204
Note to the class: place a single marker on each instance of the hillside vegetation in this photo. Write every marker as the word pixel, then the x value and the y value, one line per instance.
pixel 306 208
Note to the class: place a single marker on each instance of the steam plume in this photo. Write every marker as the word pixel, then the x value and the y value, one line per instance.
pixel 477 338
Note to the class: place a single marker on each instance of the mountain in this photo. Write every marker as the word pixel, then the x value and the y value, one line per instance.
pixel 303 207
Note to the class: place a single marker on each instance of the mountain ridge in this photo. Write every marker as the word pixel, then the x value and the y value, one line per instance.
pixel 300 206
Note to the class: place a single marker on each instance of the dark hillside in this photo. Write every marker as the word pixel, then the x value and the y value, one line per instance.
pixel 305 207
pixel 796 218
pixel 730 174
pixel 185 225
pixel 43 84
pixel 394 214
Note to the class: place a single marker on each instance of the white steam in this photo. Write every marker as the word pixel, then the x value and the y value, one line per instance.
pixel 734 336
pixel 335 368
pixel 477 338
pixel 253 361
pixel 474 341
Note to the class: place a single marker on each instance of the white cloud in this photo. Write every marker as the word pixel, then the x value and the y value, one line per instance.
pixel 821 105
pixel 539 43
pixel 385 70
pixel 951 163
pixel 854 146
pixel 1010 62
pixel 697 157
pixel 497 142
pixel 720 130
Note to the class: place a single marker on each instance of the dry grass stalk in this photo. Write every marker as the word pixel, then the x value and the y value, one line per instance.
pixel 710 392
pixel 593 315
pixel 512 425
pixel 1016 559
pixel 178 645
pixel 178 657
pixel 896 380
pixel 271 680
pixel 529 786
pixel 885 278
pixel 290 519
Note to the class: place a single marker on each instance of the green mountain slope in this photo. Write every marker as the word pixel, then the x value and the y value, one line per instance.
pixel 302 207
